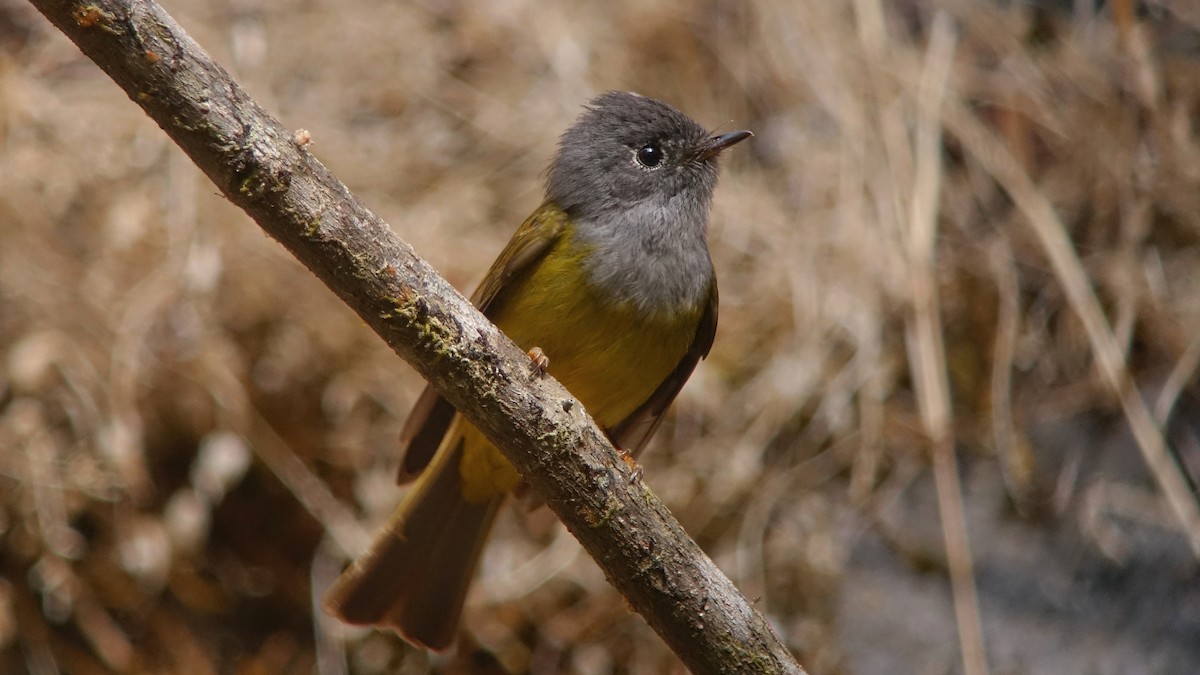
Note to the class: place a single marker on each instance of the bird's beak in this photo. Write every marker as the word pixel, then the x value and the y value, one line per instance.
pixel 714 145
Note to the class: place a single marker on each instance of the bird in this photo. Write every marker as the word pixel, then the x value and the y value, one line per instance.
pixel 610 286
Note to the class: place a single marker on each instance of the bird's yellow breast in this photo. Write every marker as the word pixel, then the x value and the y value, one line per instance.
pixel 610 356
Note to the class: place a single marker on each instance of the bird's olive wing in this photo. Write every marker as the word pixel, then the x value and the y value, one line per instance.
pixel 431 415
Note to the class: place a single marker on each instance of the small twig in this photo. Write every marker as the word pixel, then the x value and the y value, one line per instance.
pixel 335 518
pixel 1181 374
pixel 325 568
pixel 1015 460
pixel 104 634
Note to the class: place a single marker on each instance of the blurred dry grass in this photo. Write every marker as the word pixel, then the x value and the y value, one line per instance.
pixel 185 415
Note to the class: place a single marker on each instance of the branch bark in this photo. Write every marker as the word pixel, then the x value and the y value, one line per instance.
pixel 567 460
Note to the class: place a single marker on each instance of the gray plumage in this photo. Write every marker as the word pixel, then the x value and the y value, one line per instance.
pixel 646 225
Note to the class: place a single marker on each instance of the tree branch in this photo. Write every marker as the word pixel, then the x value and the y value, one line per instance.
pixel 263 169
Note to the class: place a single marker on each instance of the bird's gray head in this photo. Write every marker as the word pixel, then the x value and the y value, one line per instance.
pixel 636 177
pixel 626 150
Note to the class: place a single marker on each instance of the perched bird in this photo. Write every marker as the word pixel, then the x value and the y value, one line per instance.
pixel 611 279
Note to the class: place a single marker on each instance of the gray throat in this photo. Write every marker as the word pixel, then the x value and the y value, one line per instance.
pixel 653 255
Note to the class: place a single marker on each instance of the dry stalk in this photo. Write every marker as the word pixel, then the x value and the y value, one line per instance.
pixel 927 349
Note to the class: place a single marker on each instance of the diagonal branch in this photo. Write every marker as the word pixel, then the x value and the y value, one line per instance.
pixel 263 169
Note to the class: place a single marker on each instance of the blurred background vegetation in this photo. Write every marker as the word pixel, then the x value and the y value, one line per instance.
pixel 186 415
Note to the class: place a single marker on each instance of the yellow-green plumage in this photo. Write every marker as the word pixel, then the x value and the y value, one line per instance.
pixel 609 356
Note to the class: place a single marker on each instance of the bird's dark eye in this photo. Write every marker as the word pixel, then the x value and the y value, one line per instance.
pixel 650 155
